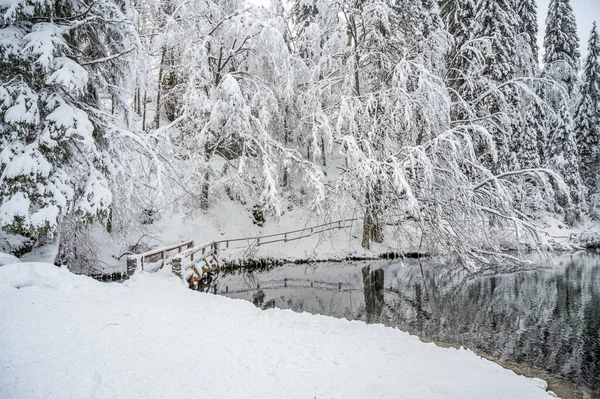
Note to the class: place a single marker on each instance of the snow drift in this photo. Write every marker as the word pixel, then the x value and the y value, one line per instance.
pixel 69 336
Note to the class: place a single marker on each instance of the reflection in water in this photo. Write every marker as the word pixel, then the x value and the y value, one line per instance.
pixel 545 318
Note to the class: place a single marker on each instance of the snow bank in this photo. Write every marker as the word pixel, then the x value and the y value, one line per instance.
pixel 42 275
pixel 7 259
pixel 151 338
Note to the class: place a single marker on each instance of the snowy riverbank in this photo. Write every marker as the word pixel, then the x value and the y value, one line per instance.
pixel 69 336
pixel 230 221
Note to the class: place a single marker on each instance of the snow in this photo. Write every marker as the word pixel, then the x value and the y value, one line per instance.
pixel 7 259
pixel 31 163
pixel 16 206
pixel 43 41
pixel 10 42
pixel 45 216
pixel 69 336
pixel 68 74
pixel 23 109
pixel 73 121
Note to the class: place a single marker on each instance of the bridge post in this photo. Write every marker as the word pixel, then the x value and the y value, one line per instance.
pixel 176 266
pixel 131 265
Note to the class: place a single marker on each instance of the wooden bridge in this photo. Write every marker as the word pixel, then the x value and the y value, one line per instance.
pixel 192 262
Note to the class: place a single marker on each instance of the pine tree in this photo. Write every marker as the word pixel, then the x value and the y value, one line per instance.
pixel 497 21
pixel 565 160
pixel 587 117
pixel 528 51
pixel 61 83
pixel 458 17
pixel 561 45
pixel 525 141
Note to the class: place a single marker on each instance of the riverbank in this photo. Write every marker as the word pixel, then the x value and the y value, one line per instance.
pixel 232 220
pixel 70 336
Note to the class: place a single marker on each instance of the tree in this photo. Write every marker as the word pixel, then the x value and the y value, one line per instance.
pixel 62 89
pixel 587 120
pixel 565 160
pixel 561 45
pixel 527 51
pixel 497 23
pixel 462 57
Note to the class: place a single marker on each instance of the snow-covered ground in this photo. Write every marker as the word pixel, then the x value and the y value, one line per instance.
pixel 67 336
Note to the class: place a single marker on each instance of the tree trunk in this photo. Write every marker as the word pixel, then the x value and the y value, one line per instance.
pixel 367 226
pixel 204 196
pixel 159 90
pixel 286 139
pixel 144 113
pixel 372 226
pixel 323 155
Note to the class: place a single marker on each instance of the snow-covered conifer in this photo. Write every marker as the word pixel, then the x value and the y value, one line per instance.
pixel 461 61
pixel 527 46
pixel 61 87
pixel 587 119
pixel 561 46
pixel 497 23
pixel 565 161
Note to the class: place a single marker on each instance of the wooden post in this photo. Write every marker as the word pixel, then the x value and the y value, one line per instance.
pixel 176 266
pixel 131 265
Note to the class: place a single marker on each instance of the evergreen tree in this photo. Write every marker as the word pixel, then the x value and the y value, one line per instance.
pixel 561 45
pixel 587 117
pixel 564 160
pixel 458 17
pixel 528 51
pixel 525 141
pixel 61 87
pixel 497 21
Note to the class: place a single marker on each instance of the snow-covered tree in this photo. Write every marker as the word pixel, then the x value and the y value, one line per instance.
pixel 561 47
pixel 462 61
pixel 564 160
pixel 587 120
pixel 62 86
pixel 497 21
pixel 497 24
pixel 237 80
pixel 527 28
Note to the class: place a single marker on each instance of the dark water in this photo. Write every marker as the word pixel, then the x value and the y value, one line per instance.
pixel 548 318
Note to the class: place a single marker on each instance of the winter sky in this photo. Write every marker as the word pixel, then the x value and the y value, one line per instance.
pixel 586 12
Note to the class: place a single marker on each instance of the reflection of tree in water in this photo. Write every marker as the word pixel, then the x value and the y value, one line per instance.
pixel 550 320
pixel 373 291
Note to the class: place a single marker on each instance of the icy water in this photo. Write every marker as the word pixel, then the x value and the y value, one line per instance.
pixel 547 318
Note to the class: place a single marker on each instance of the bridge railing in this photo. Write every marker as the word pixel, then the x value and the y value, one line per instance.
pixel 206 253
pixel 156 258
pixel 294 234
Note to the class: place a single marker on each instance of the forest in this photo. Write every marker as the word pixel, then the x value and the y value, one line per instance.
pixel 442 117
